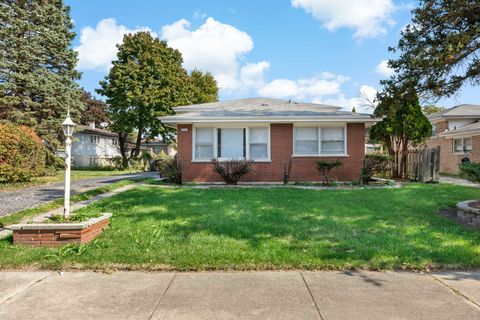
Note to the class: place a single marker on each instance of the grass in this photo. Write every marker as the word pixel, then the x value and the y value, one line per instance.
pixel 279 228
pixel 76 217
pixel 59 176
pixel 52 205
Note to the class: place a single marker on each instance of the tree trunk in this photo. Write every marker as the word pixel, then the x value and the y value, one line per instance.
pixel 122 143
pixel 403 159
pixel 138 143
pixel 396 169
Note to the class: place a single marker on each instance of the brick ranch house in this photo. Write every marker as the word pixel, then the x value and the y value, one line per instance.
pixel 271 132
pixel 457 132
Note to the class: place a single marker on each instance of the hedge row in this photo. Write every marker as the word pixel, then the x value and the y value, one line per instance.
pixel 22 154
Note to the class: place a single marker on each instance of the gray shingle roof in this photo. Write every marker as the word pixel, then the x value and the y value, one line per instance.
pixel 468 129
pixel 463 110
pixel 86 129
pixel 261 108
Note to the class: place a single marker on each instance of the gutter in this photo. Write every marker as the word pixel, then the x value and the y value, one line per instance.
pixel 170 121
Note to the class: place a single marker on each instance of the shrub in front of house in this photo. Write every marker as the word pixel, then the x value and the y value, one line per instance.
pixel 470 171
pixel 375 165
pixel 232 170
pixel 325 168
pixel 22 154
pixel 169 168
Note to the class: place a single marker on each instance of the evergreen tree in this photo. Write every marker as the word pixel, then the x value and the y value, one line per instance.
pixel 37 65
pixel 404 125
pixel 439 50
pixel 146 81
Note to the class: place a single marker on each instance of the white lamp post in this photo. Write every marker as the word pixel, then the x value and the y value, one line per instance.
pixel 67 127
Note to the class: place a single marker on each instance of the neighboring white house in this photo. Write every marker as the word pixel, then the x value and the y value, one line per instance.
pixel 94 147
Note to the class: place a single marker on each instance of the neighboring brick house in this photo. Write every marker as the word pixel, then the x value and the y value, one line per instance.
pixel 457 132
pixel 271 132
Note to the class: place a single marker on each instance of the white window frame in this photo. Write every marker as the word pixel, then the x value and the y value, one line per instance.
pixel 231 126
pixel 194 141
pixel 319 134
pixel 95 139
pixel 463 145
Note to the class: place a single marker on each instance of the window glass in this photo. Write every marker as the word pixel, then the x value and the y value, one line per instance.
pixel 258 143
pixel 333 141
pixel 457 145
pixel 306 140
pixel 203 143
pixel 231 143
pixel 467 145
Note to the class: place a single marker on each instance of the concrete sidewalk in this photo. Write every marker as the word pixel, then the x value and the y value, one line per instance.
pixel 241 295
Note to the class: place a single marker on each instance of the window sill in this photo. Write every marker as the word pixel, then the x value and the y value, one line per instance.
pixel 222 160
pixel 320 156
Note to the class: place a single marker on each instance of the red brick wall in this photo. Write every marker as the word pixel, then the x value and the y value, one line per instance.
pixel 58 237
pixel 449 161
pixel 281 135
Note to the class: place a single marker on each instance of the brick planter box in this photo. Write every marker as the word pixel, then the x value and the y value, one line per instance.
pixel 468 215
pixel 58 234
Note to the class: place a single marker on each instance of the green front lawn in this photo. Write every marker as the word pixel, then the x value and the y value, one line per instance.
pixel 278 228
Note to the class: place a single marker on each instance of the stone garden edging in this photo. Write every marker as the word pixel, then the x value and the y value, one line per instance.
pixel 467 214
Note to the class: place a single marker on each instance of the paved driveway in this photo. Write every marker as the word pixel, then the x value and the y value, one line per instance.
pixel 13 201
pixel 240 295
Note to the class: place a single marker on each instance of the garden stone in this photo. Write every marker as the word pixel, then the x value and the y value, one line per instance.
pixel 467 214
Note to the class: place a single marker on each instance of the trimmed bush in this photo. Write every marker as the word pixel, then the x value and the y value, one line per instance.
pixel 375 164
pixel 325 167
pixel 169 168
pixel 470 171
pixel 22 154
pixel 232 170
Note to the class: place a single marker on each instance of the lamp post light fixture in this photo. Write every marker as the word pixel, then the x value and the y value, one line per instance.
pixel 68 125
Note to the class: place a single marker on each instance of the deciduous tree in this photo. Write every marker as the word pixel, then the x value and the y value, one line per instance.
pixel 429 109
pixel 203 87
pixel 95 110
pixel 146 81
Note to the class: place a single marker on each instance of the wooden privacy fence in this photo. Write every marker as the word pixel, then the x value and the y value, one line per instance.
pixel 423 164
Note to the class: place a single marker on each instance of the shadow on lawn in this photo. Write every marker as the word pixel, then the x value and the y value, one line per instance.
pixel 397 226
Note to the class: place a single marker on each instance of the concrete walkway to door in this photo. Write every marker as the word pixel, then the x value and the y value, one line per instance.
pixel 240 295
pixel 458 181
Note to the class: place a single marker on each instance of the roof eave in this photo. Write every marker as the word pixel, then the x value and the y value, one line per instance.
pixel 172 122
pixel 450 134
